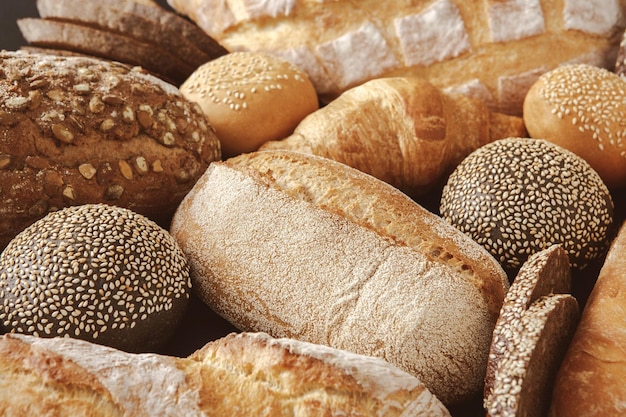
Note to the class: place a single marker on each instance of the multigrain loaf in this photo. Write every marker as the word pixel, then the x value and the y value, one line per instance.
pixel 301 246
pixel 402 130
pixel 78 130
pixel 237 375
pixel 493 49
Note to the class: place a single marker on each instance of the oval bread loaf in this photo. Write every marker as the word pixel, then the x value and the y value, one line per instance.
pixel 300 246
pixel 78 130
pixel 493 49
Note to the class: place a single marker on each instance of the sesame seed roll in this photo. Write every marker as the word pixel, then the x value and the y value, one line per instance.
pixel 94 272
pixel 518 196
pixel 251 98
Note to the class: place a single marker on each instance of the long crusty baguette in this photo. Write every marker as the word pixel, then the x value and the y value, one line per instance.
pixel 302 246
pixel 592 378
pixel 493 49
pixel 402 130
pixel 237 375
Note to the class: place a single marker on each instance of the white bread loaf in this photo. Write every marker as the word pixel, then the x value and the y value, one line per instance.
pixel 493 49
pixel 305 247
pixel 237 375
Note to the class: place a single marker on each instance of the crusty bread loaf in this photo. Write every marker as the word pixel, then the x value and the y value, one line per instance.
pixel 79 130
pixel 493 49
pixel 592 378
pixel 302 246
pixel 402 130
pixel 238 375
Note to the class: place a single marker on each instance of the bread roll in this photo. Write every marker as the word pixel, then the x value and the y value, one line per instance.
pixel 492 49
pixel 305 247
pixel 582 108
pixel 402 130
pixel 238 375
pixel 77 130
pixel 95 272
pixel 251 98
pixel 592 377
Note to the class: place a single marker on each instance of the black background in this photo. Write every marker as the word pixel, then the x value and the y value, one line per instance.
pixel 11 10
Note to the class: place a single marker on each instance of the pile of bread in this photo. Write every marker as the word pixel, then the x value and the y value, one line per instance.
pixel 397 208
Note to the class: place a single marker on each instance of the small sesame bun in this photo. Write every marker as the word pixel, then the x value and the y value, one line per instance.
pixel 95 272
pixel 518 196
pixel 583 109
pixel 251 98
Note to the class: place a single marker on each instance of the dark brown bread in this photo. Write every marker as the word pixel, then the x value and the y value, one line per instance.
pixel 105 44
pixel 153 25
pixel 79 130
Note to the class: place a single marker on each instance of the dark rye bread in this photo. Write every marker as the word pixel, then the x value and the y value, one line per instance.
pixel 79 130
pixel 536 323
pixel 143 23
pixel 104 44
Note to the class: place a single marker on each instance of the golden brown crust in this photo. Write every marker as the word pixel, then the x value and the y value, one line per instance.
pixel 402 130
pixel 592 377
pixel 79 130
pixel 301 246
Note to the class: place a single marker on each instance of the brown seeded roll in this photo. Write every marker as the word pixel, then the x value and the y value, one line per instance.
pixel 95 272
pixel 518 196
pixel 620 61
pixel 77 130
pixel 251 98
pixel 582 108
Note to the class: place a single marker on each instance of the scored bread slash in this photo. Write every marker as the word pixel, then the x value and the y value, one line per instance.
pixel 103 44
pixel 546 272
pixel 523 382
pixel 164 33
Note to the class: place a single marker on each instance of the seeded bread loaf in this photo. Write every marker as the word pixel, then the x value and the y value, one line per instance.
pixel 78 130
pixel 237 375
pixel 301 246
pixel 493 49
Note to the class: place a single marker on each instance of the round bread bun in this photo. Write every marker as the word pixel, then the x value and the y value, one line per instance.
pixel 583 109
pixel 519 196
pixel 95 272
pixel 251 98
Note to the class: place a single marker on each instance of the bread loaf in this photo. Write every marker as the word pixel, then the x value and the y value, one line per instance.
pixel 302 246
pixel 402 130
pixel 238 375
pixel 592 377
pixel 492 49
pixel 78 130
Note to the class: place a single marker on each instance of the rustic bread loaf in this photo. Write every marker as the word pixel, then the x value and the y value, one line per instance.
pixel 142 22
pixel 78 130
pixel 238 375
pixel 402 130
pixel 493 49
pixel 592 377
pixel 301 246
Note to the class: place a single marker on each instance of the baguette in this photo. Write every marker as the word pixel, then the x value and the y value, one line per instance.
pixel 402 130
pixel 492 49
pixel 305 247
pixel 237 375
pixel 591 379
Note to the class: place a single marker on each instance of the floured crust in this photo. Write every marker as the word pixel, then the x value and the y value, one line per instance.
pixel 249 374
pixel 303 247
pixel 341 43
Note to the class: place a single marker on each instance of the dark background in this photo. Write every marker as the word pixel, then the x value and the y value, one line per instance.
pixel 11 10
